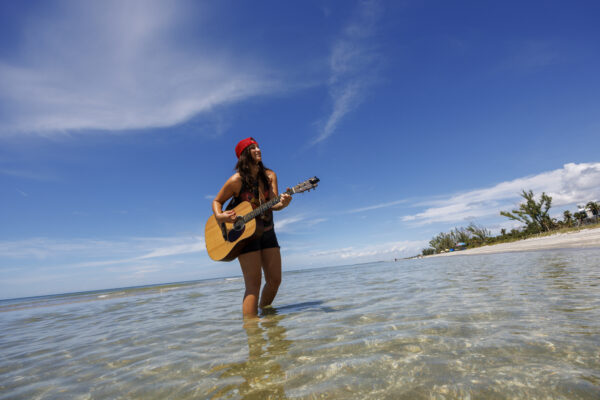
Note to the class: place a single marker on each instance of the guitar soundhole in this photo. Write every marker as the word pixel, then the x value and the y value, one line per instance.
pixel 233 234
pixel 239 226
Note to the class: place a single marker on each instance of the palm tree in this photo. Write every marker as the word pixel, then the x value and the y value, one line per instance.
pixel 479 234
pixel 594 208
pixel 534 214
pixel 580 216
pixel 568 218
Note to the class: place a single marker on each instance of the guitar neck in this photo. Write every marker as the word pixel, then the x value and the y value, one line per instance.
pixel 262 209
pixel 301 187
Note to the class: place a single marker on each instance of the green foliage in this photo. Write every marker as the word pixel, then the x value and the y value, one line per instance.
pixel 567 218
pixel 460 235
pixel 580 216
pixel 429 251
pixel 472 235
pixel 533 214
pixel 593 207
pixel 479 234
pixel 442 241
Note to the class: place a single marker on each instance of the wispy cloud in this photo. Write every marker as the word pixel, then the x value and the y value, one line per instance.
pixel 352 62
pixel 381 251
pixel 568 185
pixel 50 265
pixel 26 174
pixel 292 223
pixel 377 206
pixel 90 252
pixel 195 246
pixel 286 223
pixel 94 66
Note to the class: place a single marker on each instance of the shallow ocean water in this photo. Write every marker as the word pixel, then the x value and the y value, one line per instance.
pixel 518 325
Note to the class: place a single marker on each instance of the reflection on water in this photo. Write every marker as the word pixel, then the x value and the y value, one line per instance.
pixel 559 276
pixel 263 377
pixel 519 325
pixel 306 306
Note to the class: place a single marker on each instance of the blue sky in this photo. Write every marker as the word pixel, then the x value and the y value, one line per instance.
pixel 118 121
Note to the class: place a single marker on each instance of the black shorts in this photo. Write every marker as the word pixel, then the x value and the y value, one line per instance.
pixel 268 240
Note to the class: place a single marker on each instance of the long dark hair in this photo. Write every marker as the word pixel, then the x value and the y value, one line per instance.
pixel 244 168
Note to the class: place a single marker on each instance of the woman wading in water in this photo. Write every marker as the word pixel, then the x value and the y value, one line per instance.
pixel 256 184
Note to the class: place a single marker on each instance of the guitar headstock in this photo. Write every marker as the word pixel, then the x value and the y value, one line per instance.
pixel 304 186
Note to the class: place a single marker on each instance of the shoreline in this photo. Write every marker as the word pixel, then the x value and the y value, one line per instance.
pixel 586 238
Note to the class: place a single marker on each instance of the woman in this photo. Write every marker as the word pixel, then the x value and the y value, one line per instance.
pixel 256 184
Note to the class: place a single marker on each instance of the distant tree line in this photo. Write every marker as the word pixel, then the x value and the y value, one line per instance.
pixel 533 214
pixel 472 235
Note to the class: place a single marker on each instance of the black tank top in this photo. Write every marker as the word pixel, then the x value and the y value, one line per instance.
pixel 250 194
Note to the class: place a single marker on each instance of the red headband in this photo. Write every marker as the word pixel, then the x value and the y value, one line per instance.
pixel 241 146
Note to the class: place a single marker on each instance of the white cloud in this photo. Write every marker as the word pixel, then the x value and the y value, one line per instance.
pixel 42 265
pixel 574 183
pixel 93 253
pixel 352 63
pixel 284 224
pixel 115 65
pixel 299 221
pixel 195 246
pixel 25 174
pixel 43 248
pixel 137 272
pixel 376 206
pixel 373 252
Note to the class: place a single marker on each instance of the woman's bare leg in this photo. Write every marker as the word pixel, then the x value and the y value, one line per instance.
pixel 271 262
pixel 250 263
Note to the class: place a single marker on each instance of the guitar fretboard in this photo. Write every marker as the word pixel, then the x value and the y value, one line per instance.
pixel 304 186
pixel 262 209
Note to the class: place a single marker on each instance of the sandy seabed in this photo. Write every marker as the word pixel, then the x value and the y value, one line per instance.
pixel 580 239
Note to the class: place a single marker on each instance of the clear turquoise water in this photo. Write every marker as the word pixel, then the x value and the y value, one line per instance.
pixel 520 325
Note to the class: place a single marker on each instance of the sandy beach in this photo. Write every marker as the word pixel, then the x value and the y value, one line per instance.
pixel 582 239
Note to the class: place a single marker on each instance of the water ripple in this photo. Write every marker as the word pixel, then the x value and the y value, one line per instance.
pixel 521 325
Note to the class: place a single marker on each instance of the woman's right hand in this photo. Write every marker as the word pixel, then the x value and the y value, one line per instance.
pixel 226 216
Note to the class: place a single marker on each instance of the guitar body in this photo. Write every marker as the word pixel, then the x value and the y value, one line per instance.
pixel 226 244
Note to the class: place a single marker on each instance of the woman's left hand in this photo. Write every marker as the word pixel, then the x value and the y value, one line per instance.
pixel 285 199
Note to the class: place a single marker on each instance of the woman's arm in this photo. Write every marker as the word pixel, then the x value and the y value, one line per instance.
pixel 285 198
pixel 229 189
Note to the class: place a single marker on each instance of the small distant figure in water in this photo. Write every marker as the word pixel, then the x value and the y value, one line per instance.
pixel 255 183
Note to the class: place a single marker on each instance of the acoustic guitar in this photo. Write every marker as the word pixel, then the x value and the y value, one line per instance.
pixel 224 241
